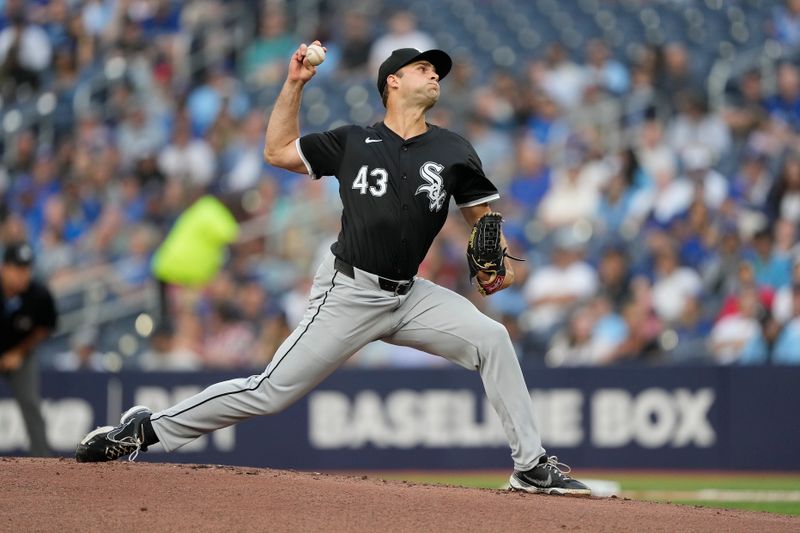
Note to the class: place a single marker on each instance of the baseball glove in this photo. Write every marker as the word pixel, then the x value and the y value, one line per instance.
pixel 485 253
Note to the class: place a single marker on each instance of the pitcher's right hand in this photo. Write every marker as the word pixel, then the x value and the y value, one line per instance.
pixel 300 69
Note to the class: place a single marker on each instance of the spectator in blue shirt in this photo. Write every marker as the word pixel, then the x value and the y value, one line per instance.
pixel 787 347
pixel 532 181
pixel 785 104
pixel 206 102
pixel 786 23
pixel 771 269
pixel 605 71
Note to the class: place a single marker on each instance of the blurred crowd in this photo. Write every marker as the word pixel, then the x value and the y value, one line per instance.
pixel 660 226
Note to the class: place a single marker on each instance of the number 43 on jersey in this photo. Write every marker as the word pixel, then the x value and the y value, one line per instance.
pixel 361 183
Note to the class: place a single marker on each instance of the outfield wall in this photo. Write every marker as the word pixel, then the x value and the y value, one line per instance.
pixel 696 418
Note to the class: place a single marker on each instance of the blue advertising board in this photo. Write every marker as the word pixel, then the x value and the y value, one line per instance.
pixel 693 418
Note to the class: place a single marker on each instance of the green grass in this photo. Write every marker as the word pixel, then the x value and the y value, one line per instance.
pixel 790 508
pixel 691 481
pixel 652 483
pixel 655 486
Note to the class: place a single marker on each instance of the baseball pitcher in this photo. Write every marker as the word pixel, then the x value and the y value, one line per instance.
pixel 396 179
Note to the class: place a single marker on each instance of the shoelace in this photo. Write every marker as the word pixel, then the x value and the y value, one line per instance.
pixel 130 441
pixel 127 442
pixel 560 469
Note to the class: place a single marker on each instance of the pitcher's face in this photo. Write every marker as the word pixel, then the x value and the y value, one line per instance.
pixel 419 83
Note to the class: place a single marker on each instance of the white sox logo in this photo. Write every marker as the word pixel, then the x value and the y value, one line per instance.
pixel 430 172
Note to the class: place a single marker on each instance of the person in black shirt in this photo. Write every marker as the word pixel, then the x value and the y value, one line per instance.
pixel 27 316
pixel 396 179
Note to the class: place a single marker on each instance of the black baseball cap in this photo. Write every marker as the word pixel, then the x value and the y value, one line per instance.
pixel 18 253
pixel 404 56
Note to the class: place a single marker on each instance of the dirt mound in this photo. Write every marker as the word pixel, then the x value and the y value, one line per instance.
pixel 61 495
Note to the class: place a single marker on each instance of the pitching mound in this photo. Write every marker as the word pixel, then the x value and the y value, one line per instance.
pixel 61 495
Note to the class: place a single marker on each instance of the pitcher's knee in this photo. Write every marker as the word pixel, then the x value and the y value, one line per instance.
pixel 272 407
pixel 272 403
pixel 493 335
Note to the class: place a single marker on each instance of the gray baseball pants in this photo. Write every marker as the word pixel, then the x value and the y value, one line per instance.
pixel 24 383
pixel 343 315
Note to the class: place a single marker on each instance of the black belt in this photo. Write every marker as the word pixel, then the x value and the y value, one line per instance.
pixel 397 287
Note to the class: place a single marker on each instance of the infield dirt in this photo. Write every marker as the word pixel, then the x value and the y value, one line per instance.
pixel 62 495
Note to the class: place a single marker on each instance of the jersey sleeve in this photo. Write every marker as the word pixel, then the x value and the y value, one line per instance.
pixel 472 185
pixel 322 153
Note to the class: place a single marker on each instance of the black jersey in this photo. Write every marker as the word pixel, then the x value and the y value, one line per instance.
pixel 20 315
pixel 395 191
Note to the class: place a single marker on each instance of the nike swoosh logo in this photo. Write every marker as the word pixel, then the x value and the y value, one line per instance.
pixel 546 483
pixel 368 140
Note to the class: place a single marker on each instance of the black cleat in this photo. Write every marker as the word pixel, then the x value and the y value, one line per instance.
pixel 548 477
pixel 108 443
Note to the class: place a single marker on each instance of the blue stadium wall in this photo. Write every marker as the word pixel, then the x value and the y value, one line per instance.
pixel 688 418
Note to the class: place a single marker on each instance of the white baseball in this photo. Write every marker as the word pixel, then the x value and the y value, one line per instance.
pixel 315 54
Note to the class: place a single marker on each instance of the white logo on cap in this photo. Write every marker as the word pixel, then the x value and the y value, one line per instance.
pixel 25 253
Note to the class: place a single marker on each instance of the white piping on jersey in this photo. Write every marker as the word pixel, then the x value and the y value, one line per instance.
pixel 305 161
pixel 484 200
